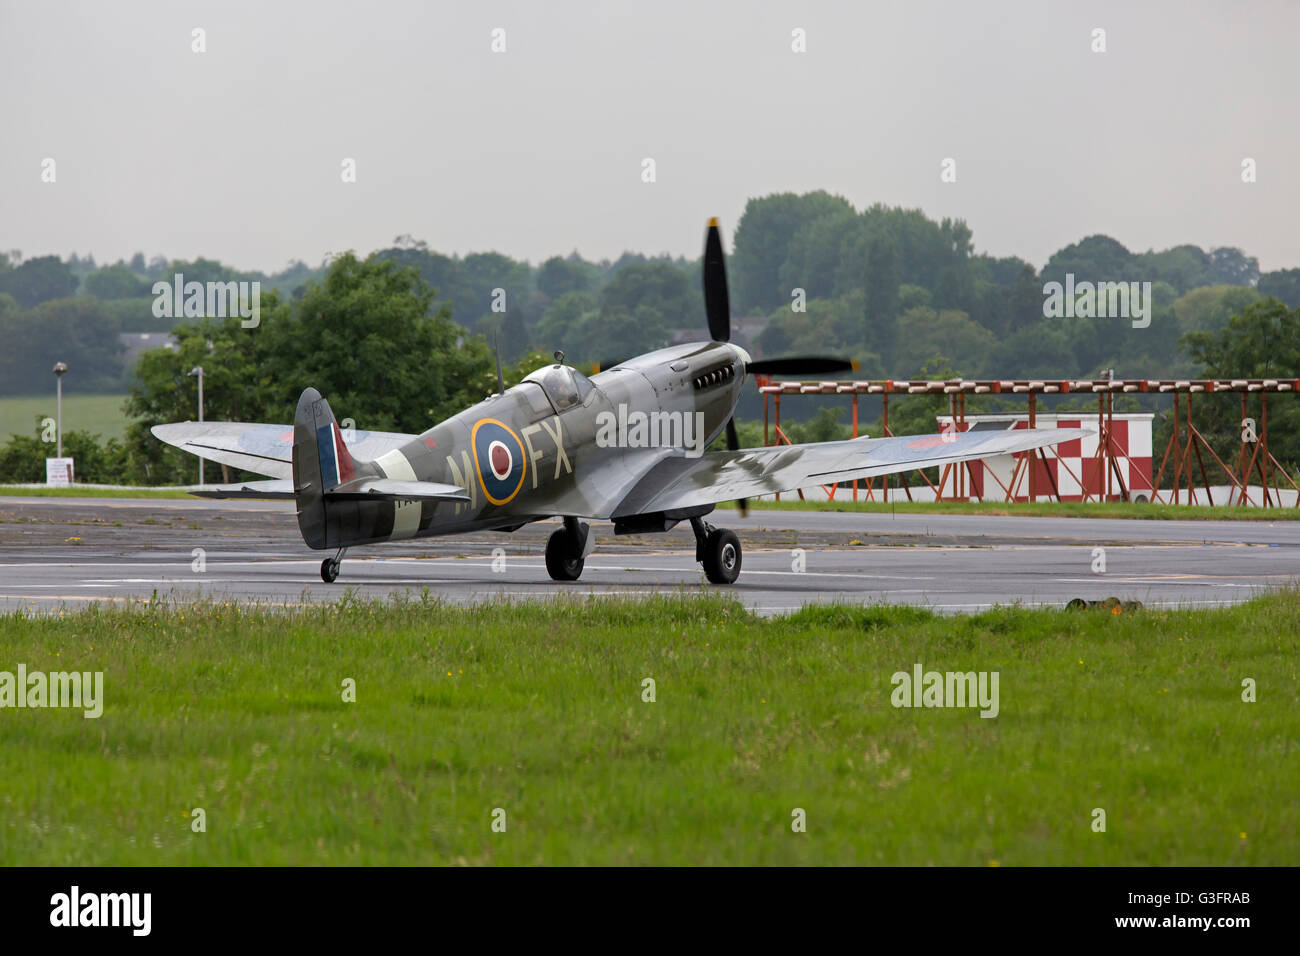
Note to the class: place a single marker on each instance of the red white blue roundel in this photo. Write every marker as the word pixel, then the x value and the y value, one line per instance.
pixel 498 459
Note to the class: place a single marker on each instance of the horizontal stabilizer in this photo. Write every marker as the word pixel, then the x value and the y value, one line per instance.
pixel 264 449
pixel 391 489
pixel 276 488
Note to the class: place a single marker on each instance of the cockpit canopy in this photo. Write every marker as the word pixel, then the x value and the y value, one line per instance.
pixel 564 385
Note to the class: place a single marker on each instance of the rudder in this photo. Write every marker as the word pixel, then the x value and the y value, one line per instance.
pixel 320 462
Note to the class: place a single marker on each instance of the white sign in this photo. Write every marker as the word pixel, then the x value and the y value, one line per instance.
pixel 58 471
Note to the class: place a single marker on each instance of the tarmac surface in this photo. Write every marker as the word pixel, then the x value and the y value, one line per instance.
pixel 69 552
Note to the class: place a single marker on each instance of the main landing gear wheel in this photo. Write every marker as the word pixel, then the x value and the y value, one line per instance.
pixel 561 564
pixel 329 568
pixel 722 556
pixel 718 549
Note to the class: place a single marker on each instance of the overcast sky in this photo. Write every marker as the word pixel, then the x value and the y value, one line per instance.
pixel 236 153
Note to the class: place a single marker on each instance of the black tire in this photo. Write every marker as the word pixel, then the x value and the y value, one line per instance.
pixel 722 556
pixel 329 570
pixel 560 563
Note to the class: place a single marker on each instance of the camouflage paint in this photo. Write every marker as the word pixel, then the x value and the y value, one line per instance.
pixel 519 457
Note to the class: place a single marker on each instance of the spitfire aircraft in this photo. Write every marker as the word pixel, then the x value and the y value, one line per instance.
pixel 626 445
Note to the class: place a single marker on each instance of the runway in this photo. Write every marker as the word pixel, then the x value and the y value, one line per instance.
pixel 69 552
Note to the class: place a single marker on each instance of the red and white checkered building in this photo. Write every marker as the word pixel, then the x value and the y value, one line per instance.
pixel 1073 469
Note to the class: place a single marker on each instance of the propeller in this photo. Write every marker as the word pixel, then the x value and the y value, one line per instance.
pixel 717 307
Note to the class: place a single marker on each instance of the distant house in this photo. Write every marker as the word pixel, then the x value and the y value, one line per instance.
pixel 136 342
pixel 744 332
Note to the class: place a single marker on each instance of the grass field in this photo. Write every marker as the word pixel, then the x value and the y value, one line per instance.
pixel 97 414
pixel 538 710
pixel 1040 509
pixel 81 491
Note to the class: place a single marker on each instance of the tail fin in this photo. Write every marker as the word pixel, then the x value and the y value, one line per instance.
pixel 320 462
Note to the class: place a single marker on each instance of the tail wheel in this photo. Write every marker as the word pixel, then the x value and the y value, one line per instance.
pixel 722 556
pixel 329 570
pixel 561 565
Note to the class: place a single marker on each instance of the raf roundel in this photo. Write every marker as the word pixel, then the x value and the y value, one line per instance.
pixel 498 459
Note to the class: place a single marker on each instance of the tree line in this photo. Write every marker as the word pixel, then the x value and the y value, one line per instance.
pixel 405 335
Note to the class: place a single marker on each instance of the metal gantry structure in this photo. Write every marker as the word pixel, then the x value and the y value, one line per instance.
pixel 1185 442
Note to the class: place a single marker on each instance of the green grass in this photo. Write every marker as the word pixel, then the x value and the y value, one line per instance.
pixel 97 414
pixel 1036 509
pixel 80 491
pixel 537 709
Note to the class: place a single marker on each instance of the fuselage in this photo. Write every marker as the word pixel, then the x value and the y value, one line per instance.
pixel 558 443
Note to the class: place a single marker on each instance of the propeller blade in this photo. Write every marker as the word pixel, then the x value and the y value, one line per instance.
pixel 733 443
pixel 716 304
pixel 802 365
pixel 733 440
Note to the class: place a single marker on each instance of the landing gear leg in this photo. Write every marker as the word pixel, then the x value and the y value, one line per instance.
pixel 718 550
pixel 329 568
pixel 567 550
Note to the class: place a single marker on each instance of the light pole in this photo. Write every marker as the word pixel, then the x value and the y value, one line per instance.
pixel 59 369
pixel 197 372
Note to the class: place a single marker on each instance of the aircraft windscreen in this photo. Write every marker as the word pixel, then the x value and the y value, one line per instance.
pixel 563 385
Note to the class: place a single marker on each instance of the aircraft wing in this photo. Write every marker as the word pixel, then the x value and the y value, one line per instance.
pixel 679 482
pixel 264 449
